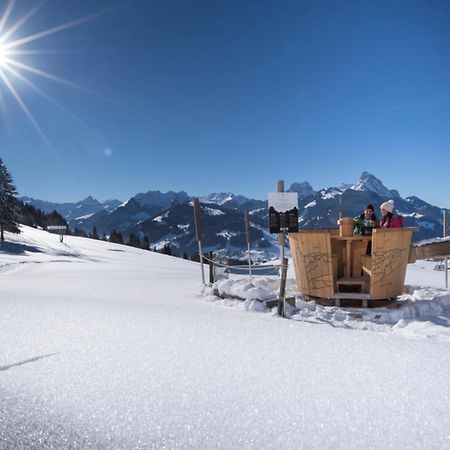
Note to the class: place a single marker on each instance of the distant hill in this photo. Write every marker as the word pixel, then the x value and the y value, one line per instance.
pixel 74 212
pixel 168 217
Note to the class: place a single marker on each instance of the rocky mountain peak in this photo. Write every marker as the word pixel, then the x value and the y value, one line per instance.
pixel 89 201
pixel 303 189
pixel 368 182
pixel 221 198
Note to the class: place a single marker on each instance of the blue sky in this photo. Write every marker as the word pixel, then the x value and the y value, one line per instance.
pixel 210 96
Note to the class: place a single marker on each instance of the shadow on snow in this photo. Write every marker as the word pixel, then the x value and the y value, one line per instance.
pixel 26 361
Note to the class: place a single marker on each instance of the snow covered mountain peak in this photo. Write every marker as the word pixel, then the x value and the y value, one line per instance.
pixel 89 202
pixel 220 198
pixel 368 182
pixel 344 186
pixel 330 192
pixel 303 189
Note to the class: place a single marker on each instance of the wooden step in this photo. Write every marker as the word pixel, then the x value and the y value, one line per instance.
pixel 351 295
pixel 353 281
pixel 338 296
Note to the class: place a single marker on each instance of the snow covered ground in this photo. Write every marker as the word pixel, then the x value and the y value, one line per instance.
pixel 108 347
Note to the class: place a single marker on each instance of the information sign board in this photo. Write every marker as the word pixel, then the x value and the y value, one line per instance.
pixel 283 212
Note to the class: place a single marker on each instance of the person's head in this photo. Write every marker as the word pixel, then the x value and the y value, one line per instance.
pixel 387 207
pixel 368 212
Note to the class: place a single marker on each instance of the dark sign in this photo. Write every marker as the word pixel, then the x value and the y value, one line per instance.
pixel 283 212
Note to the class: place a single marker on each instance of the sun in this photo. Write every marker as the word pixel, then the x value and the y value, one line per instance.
pixel 13 48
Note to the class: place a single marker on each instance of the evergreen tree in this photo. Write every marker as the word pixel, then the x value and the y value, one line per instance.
pixel 94 234
pixel 8 203
pixel 185 255
pixel 166 250
pixel 132 240
pixel 30 215
pixel 80 232
pixel 146 243
pixel 54 218
pixel 137 242
pixel 116 237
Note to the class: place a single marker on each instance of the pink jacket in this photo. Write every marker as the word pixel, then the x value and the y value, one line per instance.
pixel 396 222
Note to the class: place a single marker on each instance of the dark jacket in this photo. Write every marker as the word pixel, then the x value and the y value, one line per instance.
pixel 362 225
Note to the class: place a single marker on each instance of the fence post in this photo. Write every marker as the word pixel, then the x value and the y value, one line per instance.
pixel 198 234
pixel 445 234
pixel 211 267
pixel 281 241
pixel 247 233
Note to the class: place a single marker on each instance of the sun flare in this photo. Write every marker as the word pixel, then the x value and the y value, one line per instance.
pixel 3 54
pixel 12 51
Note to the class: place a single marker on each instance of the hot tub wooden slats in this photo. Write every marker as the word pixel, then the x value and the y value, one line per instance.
pixel 311 251
pixel 386 266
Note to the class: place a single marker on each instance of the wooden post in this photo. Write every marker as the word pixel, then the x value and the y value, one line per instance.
pixel 283 262
pixel 211 267
pixel 445 234
pixel 247 233
pixel 198 234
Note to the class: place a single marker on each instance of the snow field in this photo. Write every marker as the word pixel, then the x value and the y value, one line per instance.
pixel 104 346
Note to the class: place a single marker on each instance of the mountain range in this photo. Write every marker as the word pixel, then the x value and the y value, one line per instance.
pixel 168 217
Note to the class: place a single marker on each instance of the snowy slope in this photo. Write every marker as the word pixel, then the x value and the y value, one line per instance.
pixel 105 346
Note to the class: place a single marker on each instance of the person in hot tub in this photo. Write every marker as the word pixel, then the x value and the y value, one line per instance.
pixel 366 222
pixel 390 219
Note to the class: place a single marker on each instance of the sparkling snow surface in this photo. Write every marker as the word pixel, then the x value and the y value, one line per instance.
pixel 108 347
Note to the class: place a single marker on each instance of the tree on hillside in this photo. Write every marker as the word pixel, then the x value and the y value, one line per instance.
pixel 195 257
pixel 146 243
pixel 138 242
pixel 55 218
pixel 166 250
pixel 80 232
pixel 31 216
pixel 134 241
pixel 116 237
pixel 131 240
pixel 94 234
pixel 8 203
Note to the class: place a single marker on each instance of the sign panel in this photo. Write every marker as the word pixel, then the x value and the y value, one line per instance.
pixel 283 212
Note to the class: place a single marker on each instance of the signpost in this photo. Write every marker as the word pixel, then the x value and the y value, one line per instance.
pixel 247 234
pixel 445 234
pixel 61 228
pixel 283 217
